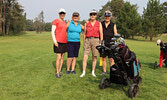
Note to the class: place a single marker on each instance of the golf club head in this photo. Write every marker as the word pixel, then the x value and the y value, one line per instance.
pixel 113 39
pixel 121 40
pixel 117 35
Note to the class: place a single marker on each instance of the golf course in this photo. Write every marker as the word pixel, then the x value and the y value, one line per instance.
pixel 27 72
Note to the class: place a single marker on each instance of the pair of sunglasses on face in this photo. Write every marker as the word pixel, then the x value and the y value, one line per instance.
pixel 93 14
pixel 75 16
pixel 62 13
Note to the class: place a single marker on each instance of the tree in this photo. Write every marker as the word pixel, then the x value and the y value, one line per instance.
pixel 153 19
pixel 165 13
pixel 114 6
pixel 47 26
pixel 128 20
pixel 39 22
pixel 29 25
pixel 1 8
pixel 12 19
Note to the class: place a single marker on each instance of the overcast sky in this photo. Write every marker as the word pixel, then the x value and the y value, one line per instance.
pixel 51 7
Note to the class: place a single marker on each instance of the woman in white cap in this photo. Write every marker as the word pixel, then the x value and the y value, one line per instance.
pixel 59 36
pixel 92 33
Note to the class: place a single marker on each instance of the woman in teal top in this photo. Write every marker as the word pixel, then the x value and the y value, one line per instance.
pixel 73 38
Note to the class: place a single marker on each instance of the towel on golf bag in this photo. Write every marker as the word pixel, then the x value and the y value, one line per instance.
pixel 126 53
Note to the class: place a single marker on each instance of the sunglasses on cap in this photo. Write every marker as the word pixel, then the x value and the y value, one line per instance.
pixel 62 13
pixel 93 14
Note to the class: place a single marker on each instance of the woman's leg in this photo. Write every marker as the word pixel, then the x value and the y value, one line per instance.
pixel 111 60
pixel 105 64
pixel 84 64
pixel 58 62
pixel 94 65
pixel 61 62
pixel 69 61
pixel 73 63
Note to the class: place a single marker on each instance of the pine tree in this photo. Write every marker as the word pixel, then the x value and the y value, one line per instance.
pixel 128 20
pixel 153 19
pixel 165 14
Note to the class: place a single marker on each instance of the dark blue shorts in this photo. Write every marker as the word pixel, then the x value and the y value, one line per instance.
pixel 73 49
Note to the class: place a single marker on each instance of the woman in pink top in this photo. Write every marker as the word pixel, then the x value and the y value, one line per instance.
pixel 59 35
pixel 92 33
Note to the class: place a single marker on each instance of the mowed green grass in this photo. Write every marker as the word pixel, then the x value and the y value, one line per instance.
pixel 27 72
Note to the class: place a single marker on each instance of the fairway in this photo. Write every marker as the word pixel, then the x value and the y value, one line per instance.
pixel 27 72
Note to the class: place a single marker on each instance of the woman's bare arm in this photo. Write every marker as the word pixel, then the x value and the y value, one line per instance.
pixel 101 33
pixel 115 29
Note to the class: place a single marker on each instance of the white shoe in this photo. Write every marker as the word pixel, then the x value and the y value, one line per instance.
pixel 82 75
pixel 93 74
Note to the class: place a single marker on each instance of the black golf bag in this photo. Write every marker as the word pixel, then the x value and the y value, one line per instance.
pixel 126 69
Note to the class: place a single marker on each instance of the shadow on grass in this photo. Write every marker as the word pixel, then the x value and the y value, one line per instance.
pixel 63 66
pixel 114 86
pixel 150 65
pixel 89 65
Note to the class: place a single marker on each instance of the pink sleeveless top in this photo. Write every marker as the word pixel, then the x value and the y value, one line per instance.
pixel 92 31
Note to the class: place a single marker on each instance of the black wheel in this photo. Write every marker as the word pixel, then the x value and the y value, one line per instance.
pixel 105 83
pixel 133 91
pixel 155 65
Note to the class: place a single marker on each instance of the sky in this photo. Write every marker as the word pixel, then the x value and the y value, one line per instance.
pixel 51 7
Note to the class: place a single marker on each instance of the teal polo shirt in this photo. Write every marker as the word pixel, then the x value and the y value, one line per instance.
pixel 73 32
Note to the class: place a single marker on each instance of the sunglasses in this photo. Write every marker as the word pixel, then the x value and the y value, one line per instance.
pixel 75 16
pixel 93 14
pixel 62 13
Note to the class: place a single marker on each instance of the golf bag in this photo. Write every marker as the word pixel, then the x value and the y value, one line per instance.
pixel 126 69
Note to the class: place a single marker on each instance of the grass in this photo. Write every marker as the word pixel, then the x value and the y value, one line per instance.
pixel 27 72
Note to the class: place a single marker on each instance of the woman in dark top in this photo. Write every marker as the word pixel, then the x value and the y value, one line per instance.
pixel 109 30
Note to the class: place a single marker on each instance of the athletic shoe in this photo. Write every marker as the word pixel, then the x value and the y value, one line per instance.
pixel 73 72
pixel 60 73
pixel 57 76
pixel 93 74
pixel 68 72
pixel 104 73
pixel 82 75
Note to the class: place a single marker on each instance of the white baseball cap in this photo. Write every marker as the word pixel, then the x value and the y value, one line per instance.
pixel 93 11
pixel 62 10
pixel 158 42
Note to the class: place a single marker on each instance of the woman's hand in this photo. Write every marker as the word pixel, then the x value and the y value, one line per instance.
pixel 56 44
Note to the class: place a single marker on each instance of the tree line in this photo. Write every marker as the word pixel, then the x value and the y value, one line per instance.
pixel 13 19
pixel 38 24
pixel 130 23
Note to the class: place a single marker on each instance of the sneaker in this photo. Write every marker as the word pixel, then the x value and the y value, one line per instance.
pixel 73 72
pixel 93 74
pixel 68 72
pixel 57 76
pixel 104 73
pixel 82 75
pixel 60 73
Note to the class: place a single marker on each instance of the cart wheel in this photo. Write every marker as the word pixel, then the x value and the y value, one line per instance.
pixel 155 65
pixel 105 83
pixel 133 90
pixel 139 80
